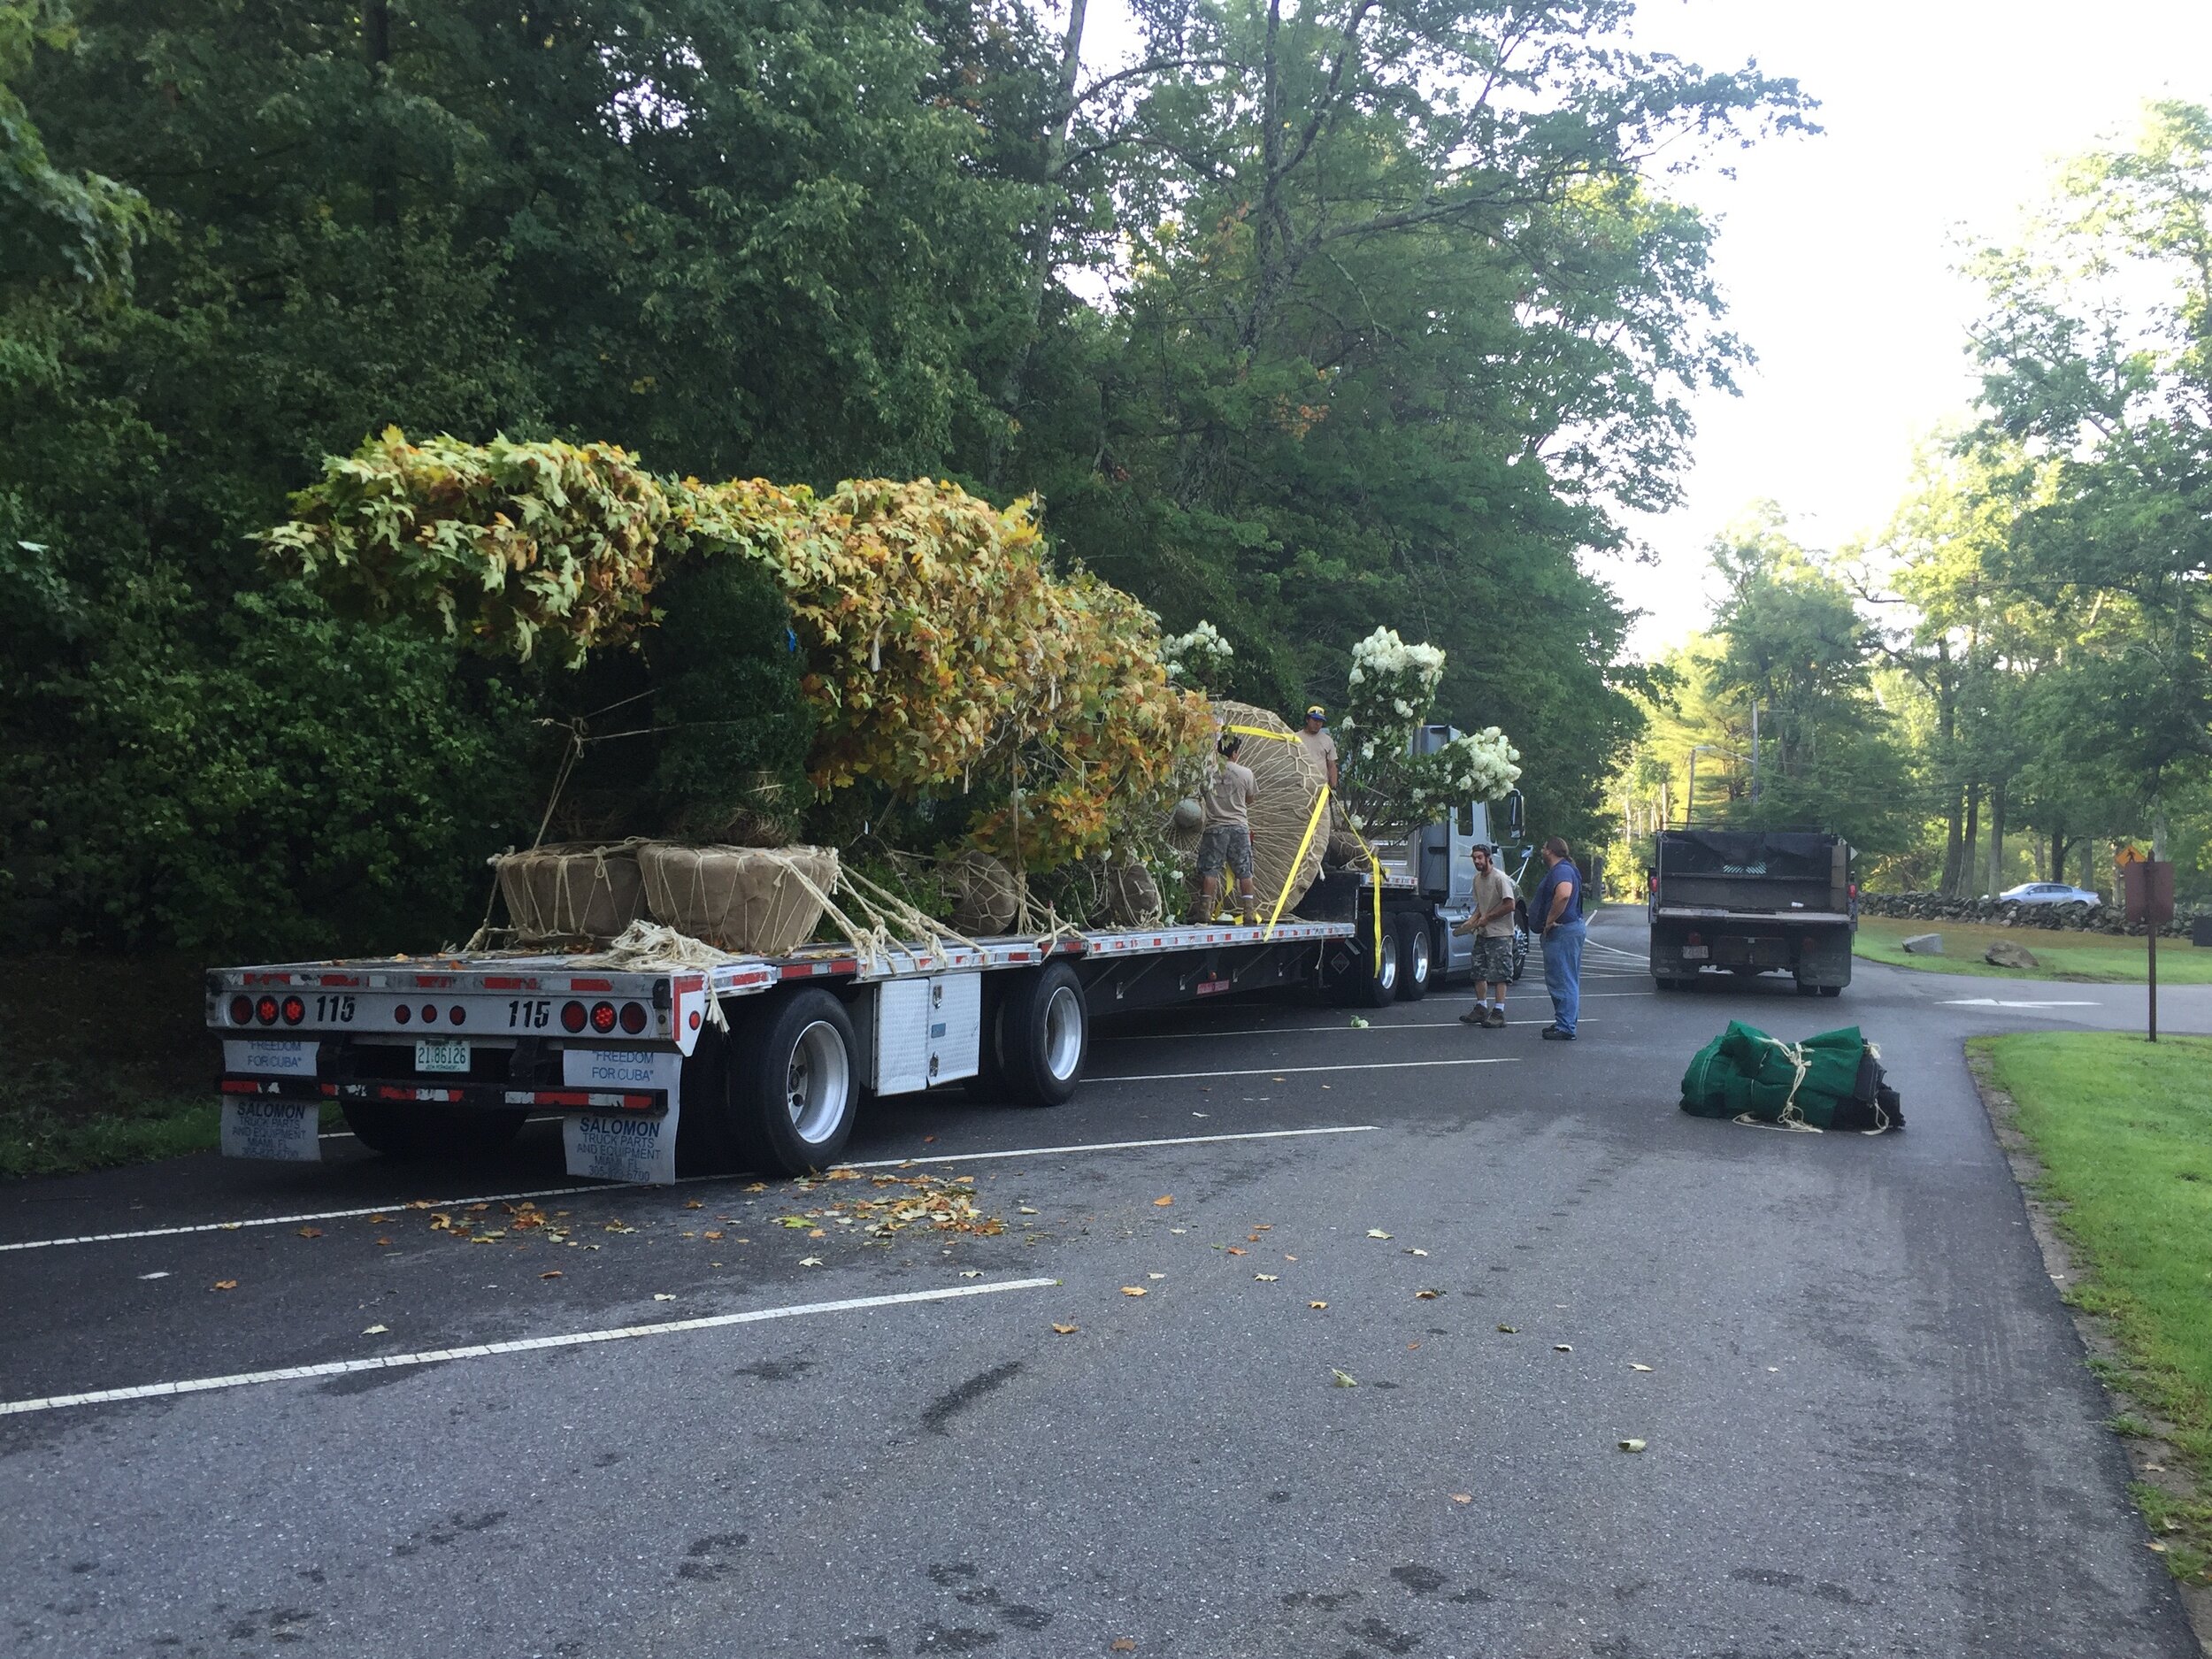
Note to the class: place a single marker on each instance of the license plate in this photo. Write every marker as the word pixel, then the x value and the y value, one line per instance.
pixel 1690 953
pixel 440 1056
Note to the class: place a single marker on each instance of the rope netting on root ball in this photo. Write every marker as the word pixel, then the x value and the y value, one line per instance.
pixel 1288 837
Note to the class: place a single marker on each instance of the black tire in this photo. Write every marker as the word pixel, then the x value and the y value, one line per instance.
pixel 1831 990
pixel 1363 986
pixel 1417 958
pixel 794 1084
pixel 1803 989
pixel 418 1133
pixel 988 1086
pixel 1042 1037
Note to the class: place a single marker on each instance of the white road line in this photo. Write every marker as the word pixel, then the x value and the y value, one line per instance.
pixel 1304 1031
pixel 615 1187
pixel 1992 1002
pixel 1287 1071
pixel 486 1350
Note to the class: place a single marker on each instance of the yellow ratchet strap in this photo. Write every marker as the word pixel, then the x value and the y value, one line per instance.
pixel 1298 858
pixel 1374 864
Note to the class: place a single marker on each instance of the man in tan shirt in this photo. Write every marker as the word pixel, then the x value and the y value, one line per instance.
pixel 1225 835
pixel 1492 924
pixel 1319 744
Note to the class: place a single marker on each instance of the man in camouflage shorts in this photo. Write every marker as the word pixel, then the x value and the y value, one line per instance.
pixel 1492 924
pixel 1225 835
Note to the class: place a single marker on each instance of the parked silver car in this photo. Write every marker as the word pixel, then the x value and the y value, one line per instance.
pixel 2048 893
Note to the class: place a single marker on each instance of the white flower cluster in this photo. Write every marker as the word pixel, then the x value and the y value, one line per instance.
pixel 1477 766
pixel 1200 657
pixel 1392 686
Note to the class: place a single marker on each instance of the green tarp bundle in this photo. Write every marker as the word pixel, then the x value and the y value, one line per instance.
pixel 1828 1081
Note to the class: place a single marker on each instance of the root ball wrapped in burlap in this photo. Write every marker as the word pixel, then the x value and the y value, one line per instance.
pixel 571 890
pixel 1288 785
pixel 762 901
pixel 981 890
pixel 1132 898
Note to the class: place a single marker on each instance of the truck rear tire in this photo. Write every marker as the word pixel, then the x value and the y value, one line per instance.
pixel 1042 1037
pixel 1365 984
pixel 415 1133
pixel 1415 957
pixel 793 1087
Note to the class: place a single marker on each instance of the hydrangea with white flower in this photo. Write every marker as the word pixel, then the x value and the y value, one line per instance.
pixel 1200 658
pixel 1390 790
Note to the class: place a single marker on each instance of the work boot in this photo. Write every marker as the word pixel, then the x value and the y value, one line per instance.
pixel 1497 1017
pixel 1475 1016
pixel 1250 916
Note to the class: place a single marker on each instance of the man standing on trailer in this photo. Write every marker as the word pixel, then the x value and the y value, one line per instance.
pixel 1319 744
pixel 1492 924
pixel 1225 835
pixel 1557 909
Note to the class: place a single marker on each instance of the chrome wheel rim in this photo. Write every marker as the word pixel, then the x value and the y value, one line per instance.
pixel 1418 967
pixel 1063 1031
pixel 817 1081
pixel 1387 976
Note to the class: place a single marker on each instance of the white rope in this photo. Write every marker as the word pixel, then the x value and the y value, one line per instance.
pixel 1792 1116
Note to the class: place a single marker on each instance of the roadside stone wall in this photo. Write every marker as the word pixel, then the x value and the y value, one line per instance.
pixel 2078 919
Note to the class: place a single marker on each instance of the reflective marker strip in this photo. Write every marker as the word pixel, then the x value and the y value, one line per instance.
pixel 486 1350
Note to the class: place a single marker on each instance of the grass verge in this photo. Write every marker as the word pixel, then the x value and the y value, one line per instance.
pixel 43 1131
pixel 2122 1131
pixel 2098 958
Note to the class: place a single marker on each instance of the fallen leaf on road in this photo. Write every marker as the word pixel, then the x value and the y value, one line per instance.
pixel 1067 1330
pixel 378 1221
pixel 971 1272
pixel 1290 1258
pixel 376 1330
pixel 1463 1497
pixel 1509 1329
pixel 1251 1238
pixel 1133 1290
pixel 555 1273
pixel 224 1284
pixel 800 1222
pixel 1358 1022
pixel 710 1235
pixel 383 1240
pixel 1025 1210
pixel 817 1232
pixel 810 1261
pixel 1267 1278
pixel 1424 1295
pixel 1562 1348
pixel 2155 1545
pixel 1417 1252
pixel 662 1296
pixel 1317 1304
pixel 1164 1201
pixel 694 1204
pixel 1633 1366
pixel 1121 1644
pixel 1631 1446
pixel 1156 1275
pixel 1342 1378
pixel 1236 1250
pixel 1377 1232
pixel 230 1226
pixel 757 1186
pixel 928 1139
pixel 1262 1226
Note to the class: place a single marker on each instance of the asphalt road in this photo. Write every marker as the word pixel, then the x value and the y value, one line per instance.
pixel 1868 1430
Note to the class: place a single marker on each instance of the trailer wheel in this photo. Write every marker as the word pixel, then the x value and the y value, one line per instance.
pixel 429 1131
pixel 1831 990
pixel 1365 984
pixel 1043 1036
pixel 1416 962
pixel 794 1089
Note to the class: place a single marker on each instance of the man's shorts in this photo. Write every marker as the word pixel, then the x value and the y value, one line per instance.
pixel 1226 842
pixel 1494 958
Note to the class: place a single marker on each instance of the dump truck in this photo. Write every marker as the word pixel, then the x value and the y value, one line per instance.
pixel 1748 902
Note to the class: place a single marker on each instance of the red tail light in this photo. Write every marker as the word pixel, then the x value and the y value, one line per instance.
pixel 241 1011
pixel 294 1010
pixel 1693 938
pixel 633 1017
pixel 457 1014
pixel 573 1017
pixel 1855 889
pixel 429 1013
pixel 402 1013
pixel 603 1018
pixel 266 1011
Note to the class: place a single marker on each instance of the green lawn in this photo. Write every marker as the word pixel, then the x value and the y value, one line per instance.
pixel 2123 1129
pixel 2098 957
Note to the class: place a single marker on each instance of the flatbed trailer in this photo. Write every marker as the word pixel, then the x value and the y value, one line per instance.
pixel 755 1063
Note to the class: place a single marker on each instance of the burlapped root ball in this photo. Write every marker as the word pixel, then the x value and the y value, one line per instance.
pixel 756 901
pixel 1289 785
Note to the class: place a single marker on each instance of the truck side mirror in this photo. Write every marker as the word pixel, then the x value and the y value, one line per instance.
pixel 1516 823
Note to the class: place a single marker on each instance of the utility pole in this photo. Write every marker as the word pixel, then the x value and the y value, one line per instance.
pixel 1755 751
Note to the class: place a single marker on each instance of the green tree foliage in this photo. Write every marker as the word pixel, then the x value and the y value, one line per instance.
pixel 1314 320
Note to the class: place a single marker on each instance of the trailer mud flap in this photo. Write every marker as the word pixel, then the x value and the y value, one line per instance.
pixel 623 1146
pixel 288 1129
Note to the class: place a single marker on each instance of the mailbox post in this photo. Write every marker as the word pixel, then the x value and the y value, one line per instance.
pixel 2147 888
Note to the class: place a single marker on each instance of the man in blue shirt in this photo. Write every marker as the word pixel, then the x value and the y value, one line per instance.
pixel 1557 911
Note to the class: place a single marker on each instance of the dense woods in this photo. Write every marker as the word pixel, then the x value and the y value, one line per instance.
pixel 1304 318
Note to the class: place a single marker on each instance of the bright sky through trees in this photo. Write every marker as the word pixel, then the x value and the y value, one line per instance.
pixel 1942 117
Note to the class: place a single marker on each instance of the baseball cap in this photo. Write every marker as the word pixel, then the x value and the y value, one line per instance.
pixel 1316 712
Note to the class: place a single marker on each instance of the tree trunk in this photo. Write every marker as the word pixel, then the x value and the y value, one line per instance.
pixel 1996 836
pixel 2060 846
pixel 1955 814
pixel 1972 835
